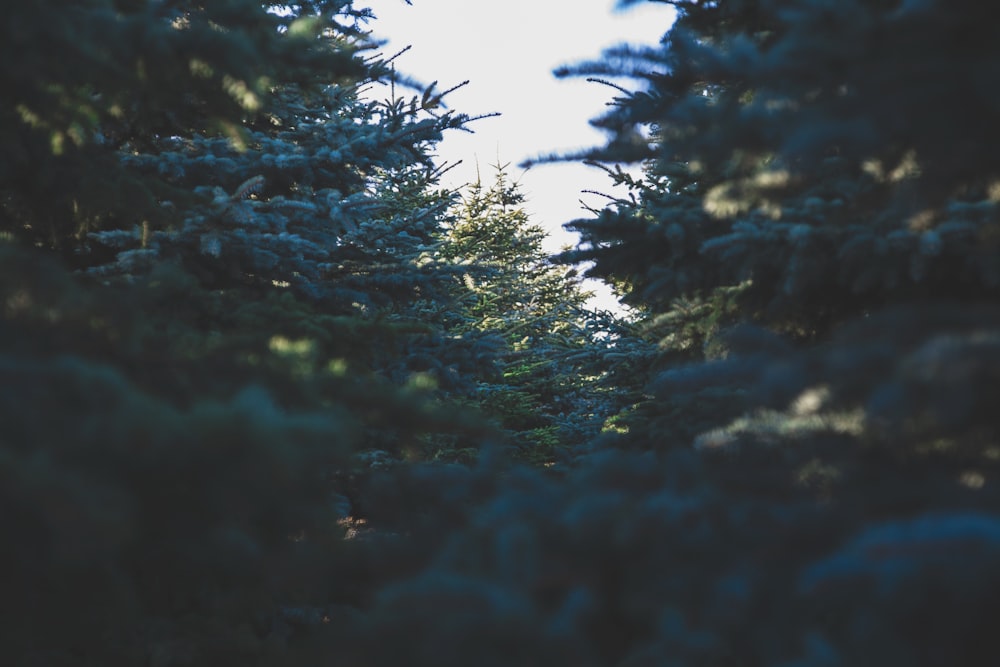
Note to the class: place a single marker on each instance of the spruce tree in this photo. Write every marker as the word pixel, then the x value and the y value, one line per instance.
pixel 814 235
pixel 215 252
pixel 548 397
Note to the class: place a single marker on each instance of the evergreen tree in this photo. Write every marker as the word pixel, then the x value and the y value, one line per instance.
pixel 232 245
pixel 814 237
pixel 548 397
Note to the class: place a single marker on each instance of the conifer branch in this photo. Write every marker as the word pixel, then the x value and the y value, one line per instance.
pixel 248 187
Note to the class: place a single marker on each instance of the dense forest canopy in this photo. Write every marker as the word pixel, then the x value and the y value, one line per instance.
pixel 272 395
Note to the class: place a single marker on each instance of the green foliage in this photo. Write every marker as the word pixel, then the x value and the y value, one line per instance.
pixel 547 397
pixel 783 157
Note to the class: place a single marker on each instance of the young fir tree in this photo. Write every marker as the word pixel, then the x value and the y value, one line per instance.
pixel 548 397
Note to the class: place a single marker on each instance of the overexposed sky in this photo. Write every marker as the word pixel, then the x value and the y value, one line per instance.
pixel 508 51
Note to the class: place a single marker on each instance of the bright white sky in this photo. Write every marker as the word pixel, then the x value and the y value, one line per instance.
pixel 508 50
